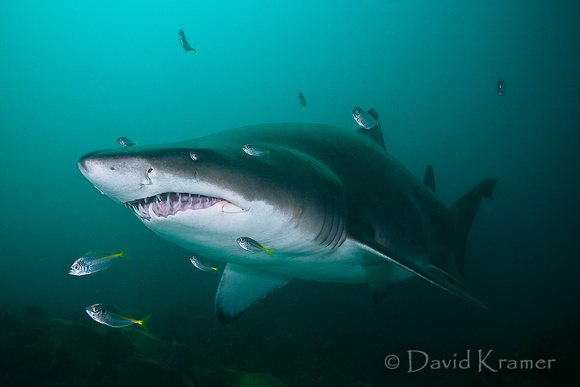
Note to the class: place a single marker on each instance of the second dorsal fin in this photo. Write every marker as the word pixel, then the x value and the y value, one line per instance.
pixel 429 179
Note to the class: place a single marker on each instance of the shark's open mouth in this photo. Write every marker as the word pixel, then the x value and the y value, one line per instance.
pixel 170 203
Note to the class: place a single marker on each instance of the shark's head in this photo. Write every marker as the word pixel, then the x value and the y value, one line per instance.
pixel 204 194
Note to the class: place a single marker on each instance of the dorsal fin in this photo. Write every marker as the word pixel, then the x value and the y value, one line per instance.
pixel 375 133
pixel 429 179
pixel 374 114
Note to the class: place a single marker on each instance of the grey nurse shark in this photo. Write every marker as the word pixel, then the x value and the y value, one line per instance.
pixel 333 204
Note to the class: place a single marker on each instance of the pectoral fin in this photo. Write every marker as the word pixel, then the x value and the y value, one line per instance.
pixel 241 287
pixel 432 276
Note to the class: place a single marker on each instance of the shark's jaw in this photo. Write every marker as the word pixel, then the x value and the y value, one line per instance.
pixel 170 203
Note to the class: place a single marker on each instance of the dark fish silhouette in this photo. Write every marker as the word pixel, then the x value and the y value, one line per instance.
pixel 185 44
pixel 302 99
pixel 501 86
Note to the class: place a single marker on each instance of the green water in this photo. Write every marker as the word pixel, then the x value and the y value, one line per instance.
pixel 75 76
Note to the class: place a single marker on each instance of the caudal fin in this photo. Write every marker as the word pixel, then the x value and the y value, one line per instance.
pixel 124 255
pixel 464 211
pixel 143 323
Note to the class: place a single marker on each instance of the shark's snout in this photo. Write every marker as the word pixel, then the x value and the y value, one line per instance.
pixel 85 162
pixel 117 175
pixel 149 190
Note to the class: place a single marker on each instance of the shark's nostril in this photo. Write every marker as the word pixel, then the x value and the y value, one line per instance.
pixel 147 180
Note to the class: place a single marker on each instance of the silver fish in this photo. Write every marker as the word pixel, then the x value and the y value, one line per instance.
pixel 93 262
pixel 125 141
pixel 364 119
pixel 251 245
pixel 256 150
pixel 113 317
pixel 202 265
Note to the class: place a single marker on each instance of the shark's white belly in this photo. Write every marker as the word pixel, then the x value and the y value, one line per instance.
pixel 294 255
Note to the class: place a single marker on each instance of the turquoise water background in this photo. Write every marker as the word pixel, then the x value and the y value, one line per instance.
pixel 75 76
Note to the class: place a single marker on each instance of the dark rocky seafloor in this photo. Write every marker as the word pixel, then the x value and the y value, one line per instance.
pixel 60 353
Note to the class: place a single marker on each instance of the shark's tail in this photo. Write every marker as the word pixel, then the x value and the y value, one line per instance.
pixel 464 211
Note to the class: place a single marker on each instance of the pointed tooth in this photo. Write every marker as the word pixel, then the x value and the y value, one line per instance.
pixel 168 205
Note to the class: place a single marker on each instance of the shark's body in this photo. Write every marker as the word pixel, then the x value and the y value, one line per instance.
pixel 332 203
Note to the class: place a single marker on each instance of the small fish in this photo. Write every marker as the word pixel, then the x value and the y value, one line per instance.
pixel 113 317
pixel 302 99
pixel 196 261
pixel 364 119
pixel 501 86
pixel 184 43
pixel 125 141
pixel 256 150
pixel 93 262
pixel 251 245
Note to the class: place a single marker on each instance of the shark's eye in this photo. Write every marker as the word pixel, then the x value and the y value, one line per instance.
pixel 193 155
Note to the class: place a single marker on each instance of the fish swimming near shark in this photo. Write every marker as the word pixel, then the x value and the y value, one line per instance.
pixel 184 43
pixel 360 217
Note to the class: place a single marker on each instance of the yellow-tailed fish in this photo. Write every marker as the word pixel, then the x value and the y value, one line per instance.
pixel 114 317
pixel 363 119
pixel 256 150
pixel 203 265
pixel 185 44
pixel 93 262
pixel 251 245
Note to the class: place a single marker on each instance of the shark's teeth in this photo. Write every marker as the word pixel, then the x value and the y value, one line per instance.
pixel 170 203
